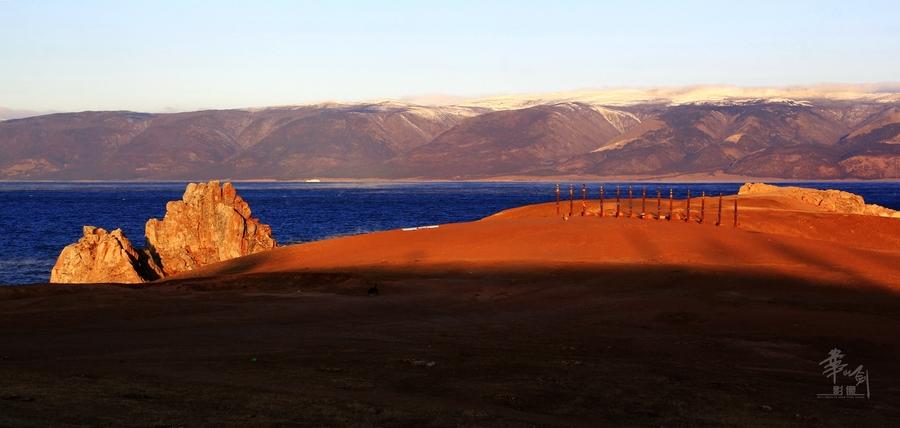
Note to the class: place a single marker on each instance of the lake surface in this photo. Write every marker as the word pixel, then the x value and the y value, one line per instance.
pixel 39 219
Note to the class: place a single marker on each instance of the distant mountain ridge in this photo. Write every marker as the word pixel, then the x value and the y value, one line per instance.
pixel 696 132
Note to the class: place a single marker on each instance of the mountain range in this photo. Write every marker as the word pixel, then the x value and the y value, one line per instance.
pixel 699 132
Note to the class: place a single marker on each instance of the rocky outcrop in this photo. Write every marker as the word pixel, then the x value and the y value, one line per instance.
pixel 835 201
pixel 210 224
pixel 101 256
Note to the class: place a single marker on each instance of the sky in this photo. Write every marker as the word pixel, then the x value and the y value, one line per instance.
pixel 185 55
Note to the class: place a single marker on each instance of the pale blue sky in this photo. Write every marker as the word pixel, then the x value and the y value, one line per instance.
pixel 159 55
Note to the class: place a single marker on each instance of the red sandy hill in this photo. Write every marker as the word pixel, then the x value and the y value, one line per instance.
pixel 778 232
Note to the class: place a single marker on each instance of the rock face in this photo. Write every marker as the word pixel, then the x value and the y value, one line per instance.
pixel 210 224
pixel 836 201
pixel 101 256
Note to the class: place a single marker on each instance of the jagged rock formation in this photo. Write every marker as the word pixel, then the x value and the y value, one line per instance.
pixel 101 256
pixel 210 224
pixel 836 201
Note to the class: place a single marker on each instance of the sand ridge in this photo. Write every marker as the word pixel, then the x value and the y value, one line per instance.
pixel 774 234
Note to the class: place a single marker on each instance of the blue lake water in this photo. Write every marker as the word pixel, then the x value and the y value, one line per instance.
pixel 39 219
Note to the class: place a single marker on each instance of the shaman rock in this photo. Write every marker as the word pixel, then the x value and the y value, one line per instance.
pixel 210 224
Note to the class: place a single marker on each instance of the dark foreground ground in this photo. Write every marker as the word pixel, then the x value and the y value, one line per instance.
pixel 619 347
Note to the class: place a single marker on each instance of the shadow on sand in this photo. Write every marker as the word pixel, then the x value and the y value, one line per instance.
pixel 570 346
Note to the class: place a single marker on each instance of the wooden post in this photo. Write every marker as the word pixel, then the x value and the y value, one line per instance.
pixel 671 195
pixel 571 199
pixel 630 203
pixel 617 201
pixel 735 211
pixel 687 213
pixel 719 214
pixel 702 206
pixel 658 203
pixel 583 199
pixel 643 202
pixel 557 198
pixel 601 200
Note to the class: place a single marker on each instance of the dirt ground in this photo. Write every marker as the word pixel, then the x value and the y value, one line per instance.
pixel 623 347
pixel 517 320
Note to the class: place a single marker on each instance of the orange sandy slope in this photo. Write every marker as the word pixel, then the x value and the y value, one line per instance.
pixel 774 236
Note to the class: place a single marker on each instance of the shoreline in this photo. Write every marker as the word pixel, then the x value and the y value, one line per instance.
pixel 593 203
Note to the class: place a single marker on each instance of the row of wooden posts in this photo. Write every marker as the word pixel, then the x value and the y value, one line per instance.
pixel 643 213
